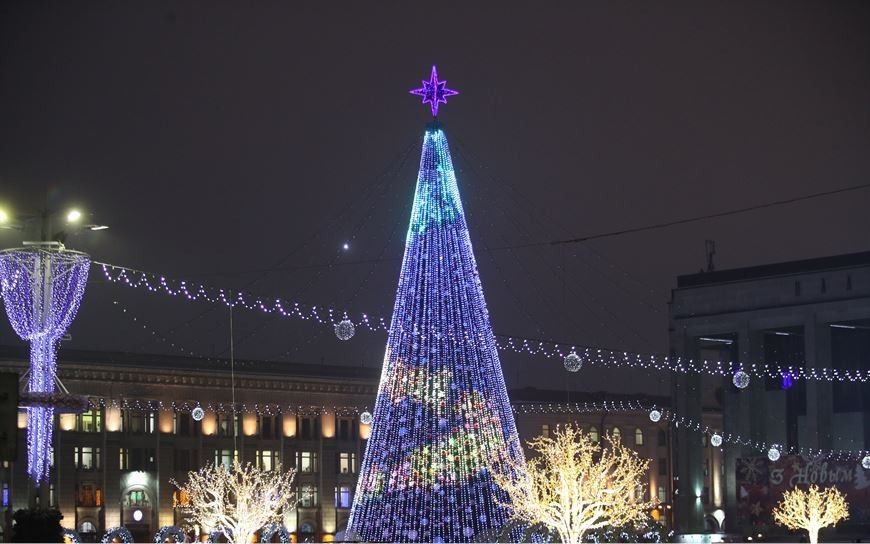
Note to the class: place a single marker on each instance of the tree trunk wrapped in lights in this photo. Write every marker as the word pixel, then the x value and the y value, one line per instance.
pixel 237 501
pixel 574 485
pixel 442 423
pixel 811 510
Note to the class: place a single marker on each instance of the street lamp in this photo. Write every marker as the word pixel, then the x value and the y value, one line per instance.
pixel 75 222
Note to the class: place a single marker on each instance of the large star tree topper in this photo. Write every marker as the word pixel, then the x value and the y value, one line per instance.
pixel 434 92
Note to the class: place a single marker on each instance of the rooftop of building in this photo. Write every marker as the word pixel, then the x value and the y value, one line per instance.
pixel 818 264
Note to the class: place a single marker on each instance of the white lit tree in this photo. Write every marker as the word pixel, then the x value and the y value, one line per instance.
pixel 573 485
pixel 811 510
pixel 237 501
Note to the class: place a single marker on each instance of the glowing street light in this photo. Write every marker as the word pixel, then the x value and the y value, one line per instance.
pixel 73 216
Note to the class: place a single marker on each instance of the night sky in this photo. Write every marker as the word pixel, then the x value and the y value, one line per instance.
pixel 241 144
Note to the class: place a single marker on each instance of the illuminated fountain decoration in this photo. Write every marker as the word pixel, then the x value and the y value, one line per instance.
pixel 42 287
pixel 442 422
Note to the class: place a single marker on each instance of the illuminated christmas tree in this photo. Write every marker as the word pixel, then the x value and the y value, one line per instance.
pixel 442 420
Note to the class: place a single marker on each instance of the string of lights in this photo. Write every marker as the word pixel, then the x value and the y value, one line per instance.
pixel 549 349
pixel 656 414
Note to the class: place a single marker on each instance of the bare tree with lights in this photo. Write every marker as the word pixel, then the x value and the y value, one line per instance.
pixel 811 510
pixel 574 485
pixel 237 501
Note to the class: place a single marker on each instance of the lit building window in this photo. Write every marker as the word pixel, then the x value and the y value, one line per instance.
pixel 5 495
pixel 663 495
pixel 307 461
pixel 347 463
pixel 545 430
pixel 124 458
pixel 593 433
pixel 638 437
pixel 86 457
pixel 228 425
pixel 91 421
pixel 308 496
pixel 225 457
pixel 266 459
pixel 342 496
pixel 616 434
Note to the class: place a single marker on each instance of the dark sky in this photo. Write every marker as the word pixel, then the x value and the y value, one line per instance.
pixel 220 139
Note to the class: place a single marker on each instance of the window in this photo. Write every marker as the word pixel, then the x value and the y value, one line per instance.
pixel 593 433
pixel 5 494
pixel 663 467
pixel 137 422
pixel 545 430
pixel 638 437
pixel 124 458
pixel 90 422
pixel 617 435
pixel 87 527
pixel 143 459
pixel 181 424
pixel 344 427
pixel 86 457
pixel 638 492
pixel 52 497
pixel 308 496
pixel 89 495
pixel 307 461
pixel 268 426
pixel 663 495
pixel 663 439
pixel 136 499
pixel 704 440
pixel 266 459
pixel 347 463
pixel 342 496
pixel 310 427
pixel 227 425
pixel 226 457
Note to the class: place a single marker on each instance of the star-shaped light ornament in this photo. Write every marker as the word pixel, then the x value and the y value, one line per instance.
pixel 434 92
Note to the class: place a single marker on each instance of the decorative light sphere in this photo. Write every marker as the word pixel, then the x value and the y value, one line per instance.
pixel 865 462
pixel 344 329
pixel 365 418
pixel 573 362
pixel 716 440
pixel 655 416
pixel 740 380
pixel 773 453
pixel 137 515
pixel 197 413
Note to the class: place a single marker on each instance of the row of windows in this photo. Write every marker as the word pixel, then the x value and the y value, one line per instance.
pixel 616 433
pixel 306 461
pixel 269 427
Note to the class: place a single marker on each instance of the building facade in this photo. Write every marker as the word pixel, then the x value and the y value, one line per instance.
pixel 812 313
pixel 113 466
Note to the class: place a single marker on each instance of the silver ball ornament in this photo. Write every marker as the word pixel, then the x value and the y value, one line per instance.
pixel 716 440
pixel 573 362
pixel 344 329
pixel 197 413
pixel 365 418
pixel 773 453
pixel 740 380
pixel 655 416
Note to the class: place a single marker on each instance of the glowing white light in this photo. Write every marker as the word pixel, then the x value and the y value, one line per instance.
pixel 573 362
pixel 773 453
pixel 655 416
pixel 365 418
pixel 345 329
pixel 137 515
pixel 73 216
pixel 740 380
pixel 865 462
pixel 198 413
pixel 346 246
pixel 716 440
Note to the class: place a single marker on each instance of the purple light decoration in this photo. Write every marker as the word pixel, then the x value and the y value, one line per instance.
pixel 434 92
pixel 42 287
pixel 787 381
pixel 442 423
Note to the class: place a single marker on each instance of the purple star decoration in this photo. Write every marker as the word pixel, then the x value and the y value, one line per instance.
pixel 434 92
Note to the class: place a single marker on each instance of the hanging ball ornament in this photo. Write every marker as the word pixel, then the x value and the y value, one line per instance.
pixel 741 379
pixel 865 462
pixel 344 329
pixel 365 418
pixel 655 415
pixel 773 453
pixel 573 362
pixel 198 413
pixel 716 440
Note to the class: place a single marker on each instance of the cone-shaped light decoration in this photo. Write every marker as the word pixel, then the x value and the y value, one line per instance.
pixel 442 419
pixel 42 288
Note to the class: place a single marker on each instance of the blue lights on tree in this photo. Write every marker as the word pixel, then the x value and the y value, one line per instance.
pixel 442 421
